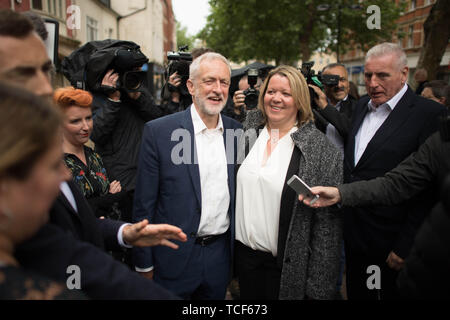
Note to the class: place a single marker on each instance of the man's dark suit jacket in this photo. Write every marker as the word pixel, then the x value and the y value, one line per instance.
pixel 378 230
pixel 84 225
pixel 77 238
pixel 169 192
pixel 341 119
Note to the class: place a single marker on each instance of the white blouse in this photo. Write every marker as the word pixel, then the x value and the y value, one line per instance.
pixel 260 182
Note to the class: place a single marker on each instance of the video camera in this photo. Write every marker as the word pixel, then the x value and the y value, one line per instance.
pixel 251 94
pixel 180 62
pixel 318 80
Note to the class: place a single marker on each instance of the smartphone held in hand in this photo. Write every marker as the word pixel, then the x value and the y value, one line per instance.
pixel 302 188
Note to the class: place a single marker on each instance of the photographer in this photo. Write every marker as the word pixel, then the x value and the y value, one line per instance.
pixel 246 91
pixel 241 100
pixel 174 93
pixel 334 98
pixel 121 107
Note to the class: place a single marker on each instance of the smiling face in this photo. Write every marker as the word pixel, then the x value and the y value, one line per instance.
pixel 77 125
pixel 209 89
pixel 339 92
pixel 279 104
pixel 384 78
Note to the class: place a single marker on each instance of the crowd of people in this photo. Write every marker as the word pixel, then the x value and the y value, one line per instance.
pixel 178 200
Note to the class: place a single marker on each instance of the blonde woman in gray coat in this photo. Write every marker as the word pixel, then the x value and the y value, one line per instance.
pixel 284 249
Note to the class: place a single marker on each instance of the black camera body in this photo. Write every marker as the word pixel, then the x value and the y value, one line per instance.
pixel 179 62
pixel 251 94
pixel 127 64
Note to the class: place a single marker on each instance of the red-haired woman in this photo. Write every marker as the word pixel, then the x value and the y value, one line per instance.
pixel 86 165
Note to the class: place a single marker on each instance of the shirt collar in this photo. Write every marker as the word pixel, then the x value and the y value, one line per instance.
pixel 339 102
pixel 392 102
pixel 199 125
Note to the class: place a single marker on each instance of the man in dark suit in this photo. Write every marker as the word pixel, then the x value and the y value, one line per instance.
pixel 387 126
pixel 72 213
pixel 186 177
pixel 335 106
pixel 24 62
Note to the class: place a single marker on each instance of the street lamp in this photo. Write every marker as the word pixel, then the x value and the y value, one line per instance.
pixel 326 7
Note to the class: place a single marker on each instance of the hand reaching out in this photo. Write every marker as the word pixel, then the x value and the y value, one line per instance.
pixel 143 234
pixel 328 196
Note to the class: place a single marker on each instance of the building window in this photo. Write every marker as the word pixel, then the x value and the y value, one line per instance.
pixel 61 8
pixel 36 4
pixel 106 3
pixel 56 8
pixel 411 36
pixel 413 4
pixel 51 7
pixel 110 33
pixel 92 29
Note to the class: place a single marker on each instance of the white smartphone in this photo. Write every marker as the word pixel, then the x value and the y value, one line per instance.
pixel 302 188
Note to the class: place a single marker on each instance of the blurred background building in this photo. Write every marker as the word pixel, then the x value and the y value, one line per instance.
pixel 149 23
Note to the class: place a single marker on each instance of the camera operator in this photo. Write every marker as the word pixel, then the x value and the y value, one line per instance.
pixel 121 107
pixel 337 97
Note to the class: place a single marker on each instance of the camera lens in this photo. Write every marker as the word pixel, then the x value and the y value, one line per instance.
pixel 132 80
pixel 251 98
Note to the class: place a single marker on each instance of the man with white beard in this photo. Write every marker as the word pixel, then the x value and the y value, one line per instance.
pixel 186 176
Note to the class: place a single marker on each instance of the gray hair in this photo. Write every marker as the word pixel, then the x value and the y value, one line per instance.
pixel 387 48
pixel 208 56
pixel 334 65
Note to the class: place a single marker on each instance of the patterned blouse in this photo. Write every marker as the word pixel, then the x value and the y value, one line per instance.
pixel 91 179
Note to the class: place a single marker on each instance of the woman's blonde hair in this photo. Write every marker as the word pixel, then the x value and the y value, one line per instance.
pixel 28 128
pixel 299 91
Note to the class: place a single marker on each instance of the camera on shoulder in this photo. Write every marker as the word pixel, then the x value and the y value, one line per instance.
pixel 179 62
pixel 319 80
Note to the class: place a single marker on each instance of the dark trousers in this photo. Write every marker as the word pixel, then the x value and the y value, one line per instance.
pixel 207 272
pixel 357 278
pixel 258 273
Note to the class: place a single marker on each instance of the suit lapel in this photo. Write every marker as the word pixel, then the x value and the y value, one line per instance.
pixel 394 121
pixel 65 202
pixel 193 168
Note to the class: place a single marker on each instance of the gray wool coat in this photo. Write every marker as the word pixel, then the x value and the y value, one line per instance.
pixel 314 241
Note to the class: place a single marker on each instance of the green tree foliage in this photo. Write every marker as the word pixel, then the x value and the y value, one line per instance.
pixel 288 30
pixel 183 38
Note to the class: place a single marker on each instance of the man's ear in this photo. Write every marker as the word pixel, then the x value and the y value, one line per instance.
pixel 405 71
pixel 190 86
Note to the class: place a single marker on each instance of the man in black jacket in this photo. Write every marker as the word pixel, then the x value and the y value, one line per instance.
pixel 387 126
pixel 335 100
pixel 425 272
pixel 422 170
